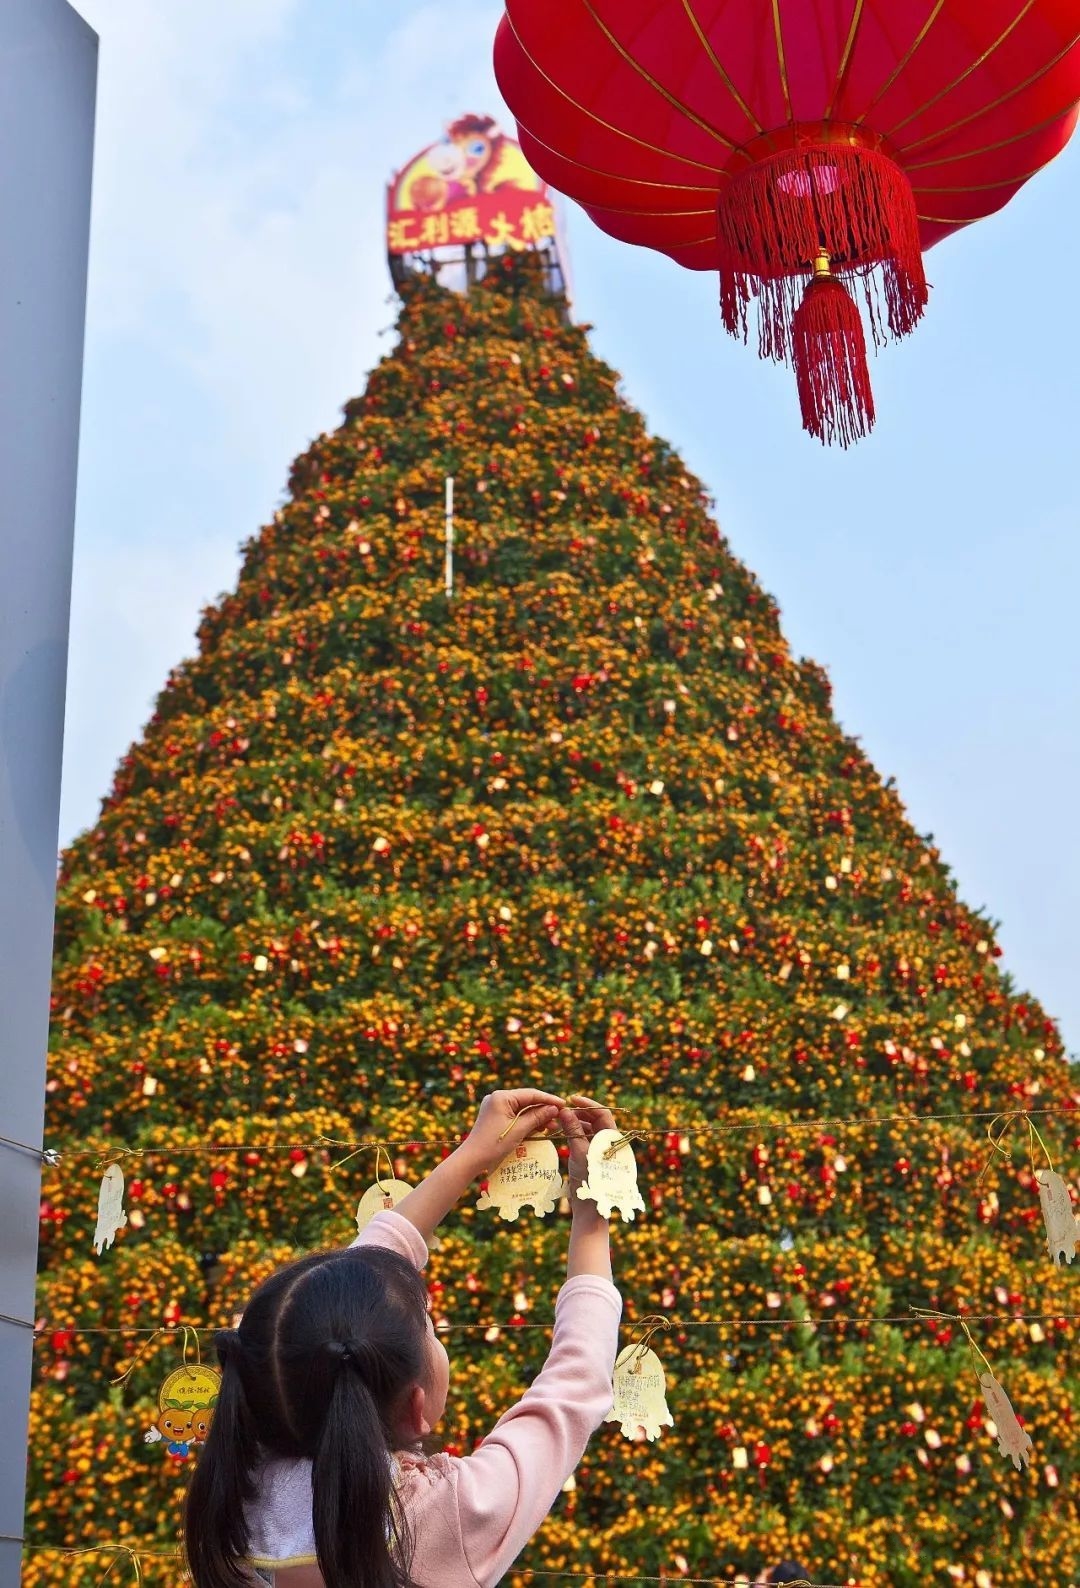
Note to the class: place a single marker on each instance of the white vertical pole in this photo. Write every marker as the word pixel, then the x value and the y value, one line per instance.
pixel 48 77
pixel 449 536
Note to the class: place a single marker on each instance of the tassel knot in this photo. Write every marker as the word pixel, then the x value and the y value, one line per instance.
pixel 828 350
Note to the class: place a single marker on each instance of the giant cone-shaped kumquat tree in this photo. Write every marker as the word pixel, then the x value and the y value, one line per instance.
pixel 588 823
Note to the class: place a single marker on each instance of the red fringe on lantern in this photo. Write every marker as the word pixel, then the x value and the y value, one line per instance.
pixel 833 191
pixel 828 350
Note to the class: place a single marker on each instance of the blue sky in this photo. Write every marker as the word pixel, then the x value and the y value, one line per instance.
pixel 239 294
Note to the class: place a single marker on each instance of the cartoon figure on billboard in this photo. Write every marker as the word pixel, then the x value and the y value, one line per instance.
pixel 465 198
pixel 474 157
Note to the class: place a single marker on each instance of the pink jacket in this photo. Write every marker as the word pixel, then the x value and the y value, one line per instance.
pixel 472 1515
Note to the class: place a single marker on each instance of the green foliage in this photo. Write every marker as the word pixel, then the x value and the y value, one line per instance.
pixel 591 824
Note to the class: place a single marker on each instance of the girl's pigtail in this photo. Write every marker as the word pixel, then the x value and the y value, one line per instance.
pixel 359 1536
pixel 215 1530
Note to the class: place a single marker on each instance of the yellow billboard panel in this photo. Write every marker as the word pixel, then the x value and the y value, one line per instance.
pixel 473 185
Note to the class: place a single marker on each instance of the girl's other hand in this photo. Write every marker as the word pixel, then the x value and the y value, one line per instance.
pixel 507 1118
pixel 580 1123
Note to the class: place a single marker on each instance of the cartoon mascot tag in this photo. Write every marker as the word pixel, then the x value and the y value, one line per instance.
pixel 186 1404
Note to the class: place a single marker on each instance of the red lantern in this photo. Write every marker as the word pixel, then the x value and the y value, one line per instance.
pixel 802 148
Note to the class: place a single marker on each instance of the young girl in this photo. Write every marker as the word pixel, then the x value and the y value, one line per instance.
pixel 309 1474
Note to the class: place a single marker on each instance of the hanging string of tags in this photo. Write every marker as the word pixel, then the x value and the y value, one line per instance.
pixel 1062 1225
pixel 640 1387
pixel 1013 1439
pixel 530 1177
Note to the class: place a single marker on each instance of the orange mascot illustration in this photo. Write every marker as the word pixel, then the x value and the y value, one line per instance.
pixel 186 1404
pixel 473 158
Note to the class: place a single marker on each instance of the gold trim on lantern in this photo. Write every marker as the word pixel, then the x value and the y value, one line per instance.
pixel 983 187
pixel 653 215
pixel 990 148
pixel 799 135
pixel 904 59
pixel 845 59
pixel 630 181
pixel 966 73
pixel 608 126
pixel 943 132
pixel 947 220
pixel 781 59
pixel 719 66
pixel 691 115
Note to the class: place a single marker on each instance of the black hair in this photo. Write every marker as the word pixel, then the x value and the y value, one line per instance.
pixel 325 1350
pixel 789 1571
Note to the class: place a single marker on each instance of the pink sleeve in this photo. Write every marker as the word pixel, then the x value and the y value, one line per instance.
pixel 507 1487
pixel 391 1230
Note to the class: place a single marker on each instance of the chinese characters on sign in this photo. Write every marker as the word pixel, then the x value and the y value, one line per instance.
pixel 503 220
pixel 469 196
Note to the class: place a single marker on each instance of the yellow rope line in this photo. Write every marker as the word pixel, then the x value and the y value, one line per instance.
pixel 106 1155
pixel 855 1321
pixel 532 1571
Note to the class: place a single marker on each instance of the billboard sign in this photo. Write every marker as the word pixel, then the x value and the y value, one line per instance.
pixel 473 186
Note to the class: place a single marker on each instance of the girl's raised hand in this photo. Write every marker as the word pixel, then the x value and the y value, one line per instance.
pixel 580 1123
pixel 506 1118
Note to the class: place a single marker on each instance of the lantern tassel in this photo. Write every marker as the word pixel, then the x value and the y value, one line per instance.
pixel 850 200
pixel 828 350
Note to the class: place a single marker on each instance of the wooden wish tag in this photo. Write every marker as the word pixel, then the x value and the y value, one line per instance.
pixel 640 1388
pixel 386 1193
pixel 1012 1440
pixel 111 1217
pixel 528 1177
pixel 611 1177
pixel 1062 1230
pixel 383 1194
pixel 1060 1221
